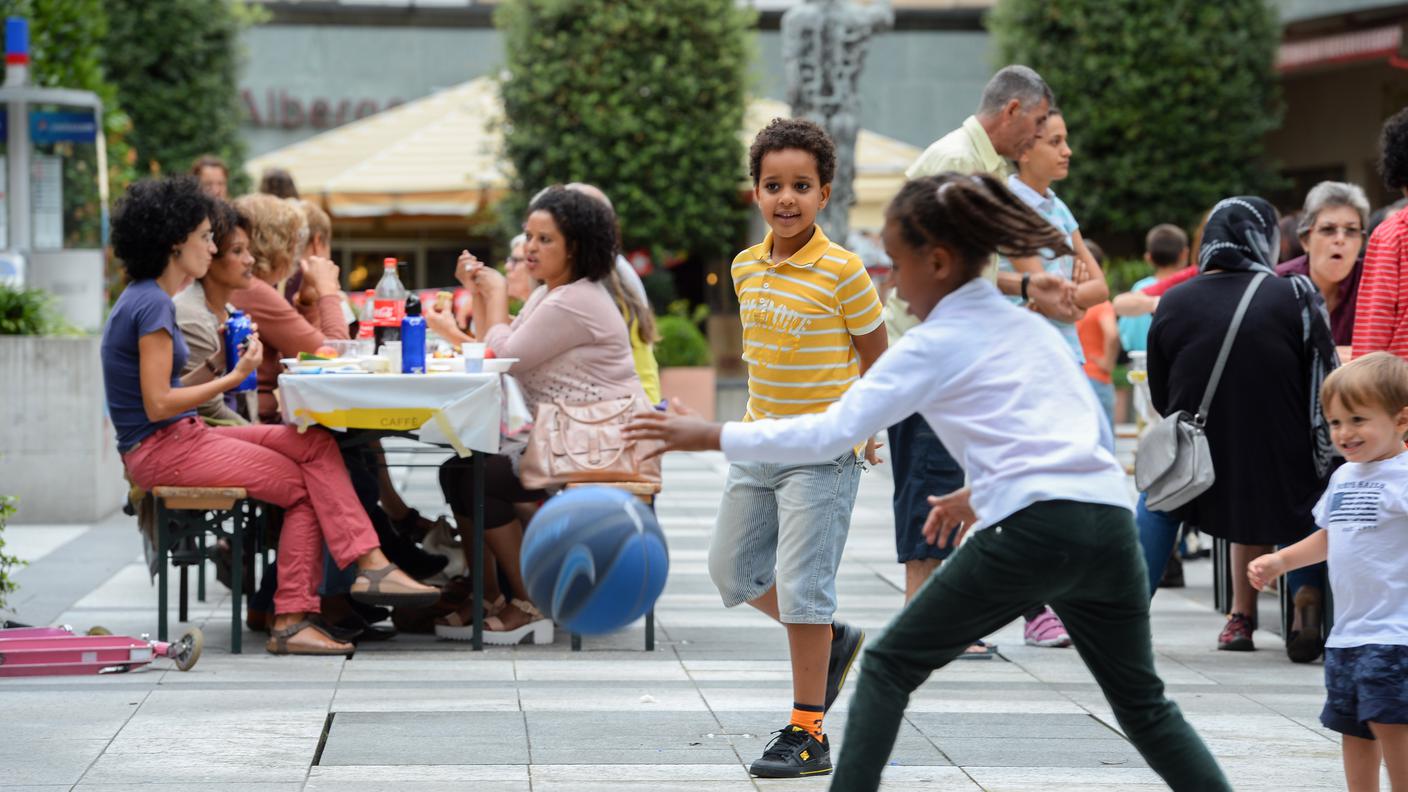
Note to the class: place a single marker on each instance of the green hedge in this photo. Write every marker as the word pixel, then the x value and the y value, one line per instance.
pixel 1167 102
pixel 643 98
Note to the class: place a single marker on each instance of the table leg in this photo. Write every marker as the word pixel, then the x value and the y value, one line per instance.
pixel 478 573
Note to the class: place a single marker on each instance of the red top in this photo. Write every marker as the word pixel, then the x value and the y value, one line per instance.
pixel 1381 315
pixel 1158 289
pixel 285 332
pixel 1092 341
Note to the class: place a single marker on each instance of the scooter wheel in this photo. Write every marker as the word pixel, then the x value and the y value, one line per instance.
pixel 99 630
pixel 188 649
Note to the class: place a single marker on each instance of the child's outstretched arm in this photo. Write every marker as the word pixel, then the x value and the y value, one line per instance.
pixel 1311 550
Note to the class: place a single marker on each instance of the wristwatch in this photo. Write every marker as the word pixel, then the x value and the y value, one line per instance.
pixel 1026 280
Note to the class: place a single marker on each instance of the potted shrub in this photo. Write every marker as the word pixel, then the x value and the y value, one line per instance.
pixel 686 367
pixel 56 432
pixel 7 562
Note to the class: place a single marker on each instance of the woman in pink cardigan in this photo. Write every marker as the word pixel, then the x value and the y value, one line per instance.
pixel 277 229
pixel 572 347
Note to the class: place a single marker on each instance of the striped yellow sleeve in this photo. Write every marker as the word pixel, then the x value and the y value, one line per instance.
pixel 860 302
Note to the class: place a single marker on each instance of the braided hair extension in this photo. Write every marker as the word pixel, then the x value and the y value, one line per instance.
pixel 975 216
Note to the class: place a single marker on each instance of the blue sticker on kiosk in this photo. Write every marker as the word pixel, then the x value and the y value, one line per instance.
pixel 47 126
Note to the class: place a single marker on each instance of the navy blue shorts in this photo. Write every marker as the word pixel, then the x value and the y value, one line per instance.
pixel 1362 684
pixel 922 467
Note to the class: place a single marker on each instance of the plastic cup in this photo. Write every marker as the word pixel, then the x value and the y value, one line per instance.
pixel 473 352
pixel 391 350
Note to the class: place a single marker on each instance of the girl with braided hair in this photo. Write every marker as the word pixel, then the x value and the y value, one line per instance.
pixel 1047 512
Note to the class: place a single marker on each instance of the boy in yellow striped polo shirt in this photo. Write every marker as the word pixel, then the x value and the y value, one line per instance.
pixel 811 326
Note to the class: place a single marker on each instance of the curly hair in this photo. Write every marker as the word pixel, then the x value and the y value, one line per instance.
pixel 1393 151
pixel 223 222
pixel 974 216
pixel 274 233
pixel 588 227
pixel 152 218
pixel 793 133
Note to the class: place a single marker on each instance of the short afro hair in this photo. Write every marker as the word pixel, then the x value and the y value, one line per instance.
pixel 153 218
pixel 793 133
pixel 1393 151
pixel 224 220
pixel 588 226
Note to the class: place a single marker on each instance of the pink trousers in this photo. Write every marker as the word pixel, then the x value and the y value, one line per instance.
pixel 302 473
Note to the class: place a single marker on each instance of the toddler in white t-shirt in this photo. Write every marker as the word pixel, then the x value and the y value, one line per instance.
pixel 1363 519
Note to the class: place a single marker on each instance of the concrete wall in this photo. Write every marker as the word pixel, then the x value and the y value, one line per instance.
pixel 57 451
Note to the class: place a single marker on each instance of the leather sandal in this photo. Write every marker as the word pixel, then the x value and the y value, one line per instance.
pixel 458 625
pixel 1306 644
pixel 372 588
pixel 279 643
pixel 538 630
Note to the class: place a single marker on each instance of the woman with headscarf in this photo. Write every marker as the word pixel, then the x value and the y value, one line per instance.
pixel 1269 441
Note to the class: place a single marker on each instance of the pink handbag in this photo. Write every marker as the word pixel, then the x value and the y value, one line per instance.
pixel 573 443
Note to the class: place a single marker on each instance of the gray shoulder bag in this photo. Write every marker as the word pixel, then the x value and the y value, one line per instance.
pixel 1173 465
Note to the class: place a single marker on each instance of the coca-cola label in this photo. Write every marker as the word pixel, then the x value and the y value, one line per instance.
pixel 387 313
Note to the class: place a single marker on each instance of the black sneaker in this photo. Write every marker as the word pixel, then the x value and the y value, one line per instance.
pixel 794 753
pixel 845 648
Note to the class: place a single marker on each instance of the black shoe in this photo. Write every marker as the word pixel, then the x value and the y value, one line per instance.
pixel 794 753
pixel 845 648
pixel 1173 574
pixel 371 614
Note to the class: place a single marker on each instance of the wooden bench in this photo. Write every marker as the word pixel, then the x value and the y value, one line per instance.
pixel 645 492
pixel 188 514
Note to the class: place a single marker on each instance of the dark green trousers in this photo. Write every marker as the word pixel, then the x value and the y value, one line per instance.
pixel 1082 559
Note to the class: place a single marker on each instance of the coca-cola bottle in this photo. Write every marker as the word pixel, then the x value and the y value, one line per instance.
pixel 389 305
pixel 366 320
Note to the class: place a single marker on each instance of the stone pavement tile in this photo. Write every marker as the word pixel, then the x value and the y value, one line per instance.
pixel 426 738
pixel 666 668
pixel 164 785
pixel 257 666
pixel 399 778
pixel 644 697
pixel 1047 779
pixel 80 713
pixel 1046 752
pixel 31 788
pixel 652 739
pixel 681 773
pixel 1272 771
pixel 25 760
pixel 449 667
pixel 1007 726
pixel 894 779
pixel 433 696
pixel 197 770
pixel 614 785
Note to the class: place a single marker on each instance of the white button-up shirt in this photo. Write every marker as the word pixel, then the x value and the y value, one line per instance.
pixel 1001 391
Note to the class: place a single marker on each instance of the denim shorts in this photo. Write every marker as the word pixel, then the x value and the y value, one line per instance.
pixel 922 467
pixel 784 523
pixel 1362 684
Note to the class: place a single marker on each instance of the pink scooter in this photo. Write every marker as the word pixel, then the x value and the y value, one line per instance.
pixel 56 651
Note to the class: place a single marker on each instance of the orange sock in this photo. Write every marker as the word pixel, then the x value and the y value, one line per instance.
pixel 808 717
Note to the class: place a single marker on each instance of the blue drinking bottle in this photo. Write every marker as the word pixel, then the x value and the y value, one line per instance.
pixel 237 329
pixel 413 338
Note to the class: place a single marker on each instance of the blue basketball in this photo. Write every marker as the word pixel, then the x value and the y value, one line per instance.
pixel 594 559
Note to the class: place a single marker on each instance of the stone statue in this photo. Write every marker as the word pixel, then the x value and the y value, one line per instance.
pixel 823 49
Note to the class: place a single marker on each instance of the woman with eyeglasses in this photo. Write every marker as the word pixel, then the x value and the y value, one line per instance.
pixel 1331 229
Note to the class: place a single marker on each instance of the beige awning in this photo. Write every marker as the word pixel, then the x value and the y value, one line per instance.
pixel 441 156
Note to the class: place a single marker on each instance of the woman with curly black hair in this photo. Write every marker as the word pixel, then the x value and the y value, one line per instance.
pixel 571 347
pixel 161 232
pixel 1381 315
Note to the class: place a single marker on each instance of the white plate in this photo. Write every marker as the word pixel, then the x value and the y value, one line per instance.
pixel 498 365
pixel 293 363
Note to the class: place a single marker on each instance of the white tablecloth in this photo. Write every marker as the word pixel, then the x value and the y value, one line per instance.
pixel 468 412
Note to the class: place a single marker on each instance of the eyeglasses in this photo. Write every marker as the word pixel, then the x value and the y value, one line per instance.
pixel 1332 231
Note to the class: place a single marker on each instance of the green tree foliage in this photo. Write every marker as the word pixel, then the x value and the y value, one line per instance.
pixel 7 562
pixel 1167 101
pixel 643 98
pixel 176 65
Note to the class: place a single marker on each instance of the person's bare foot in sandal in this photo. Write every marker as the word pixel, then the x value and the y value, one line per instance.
pixel 379 582
pixel 294 634
pixel 518 622
pixel 459 625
